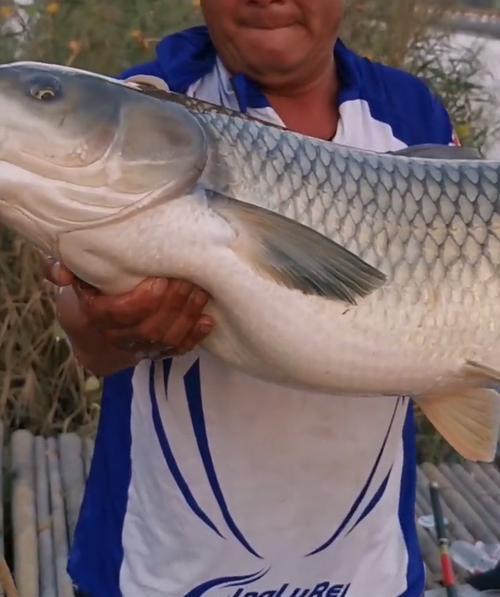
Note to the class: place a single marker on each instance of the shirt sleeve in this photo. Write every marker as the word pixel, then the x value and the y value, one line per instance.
pixel 149 68
pixel 407 103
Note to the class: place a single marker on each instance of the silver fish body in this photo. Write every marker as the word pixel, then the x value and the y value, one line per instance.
pixel 431 225
pixel 334 269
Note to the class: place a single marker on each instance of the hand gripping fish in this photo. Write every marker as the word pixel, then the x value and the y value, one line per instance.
pixel 333 269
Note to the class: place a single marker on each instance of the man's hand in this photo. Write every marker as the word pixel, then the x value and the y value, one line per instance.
pixel 160 317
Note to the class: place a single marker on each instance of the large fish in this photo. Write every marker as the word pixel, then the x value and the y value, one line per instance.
pixel 330 268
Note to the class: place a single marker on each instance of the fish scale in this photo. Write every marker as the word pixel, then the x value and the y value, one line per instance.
pixel 431 227
pixel 382 278
pixel 410 196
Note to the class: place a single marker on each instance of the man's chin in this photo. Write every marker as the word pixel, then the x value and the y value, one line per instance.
pixel 273 49
pixel 271 67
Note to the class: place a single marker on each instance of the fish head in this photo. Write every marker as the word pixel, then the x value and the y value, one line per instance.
pixel 78 149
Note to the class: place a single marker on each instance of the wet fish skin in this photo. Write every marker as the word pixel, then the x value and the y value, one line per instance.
pixel 397 294
pixel 445 210
pixel 432 226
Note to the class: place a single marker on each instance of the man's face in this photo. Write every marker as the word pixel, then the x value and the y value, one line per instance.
pixel 267 39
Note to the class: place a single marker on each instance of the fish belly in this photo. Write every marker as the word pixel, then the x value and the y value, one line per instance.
pixel 375 347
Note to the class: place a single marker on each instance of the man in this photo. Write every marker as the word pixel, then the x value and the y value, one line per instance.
pixel 206 481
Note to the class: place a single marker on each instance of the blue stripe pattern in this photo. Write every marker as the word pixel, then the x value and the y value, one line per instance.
pixel 373 502
pixel 415 573
pixel 97 551
pixel 228 581
pixel 167 365
pixel 255 578
pixel 193 393
pixel 169 456
pixel 361 495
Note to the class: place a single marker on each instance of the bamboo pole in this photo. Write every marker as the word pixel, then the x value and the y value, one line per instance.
pixel 456 527
pixel 6 580
pixel 24 514
pixel 59 530
pixel 493 472
pixel 484 480
pixel 72 476
pixel 491 507
pixel 88 444
pixel 458 479
pixel 7 585
pixel 459 505
pixel 48 586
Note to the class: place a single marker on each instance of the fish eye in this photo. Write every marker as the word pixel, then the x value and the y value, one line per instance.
pixel 43 94
pixel 44 89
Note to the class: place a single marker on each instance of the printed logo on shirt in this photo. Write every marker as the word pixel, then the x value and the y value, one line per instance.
pixel 323 589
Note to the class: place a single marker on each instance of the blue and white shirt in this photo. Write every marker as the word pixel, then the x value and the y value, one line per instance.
pixel 206 481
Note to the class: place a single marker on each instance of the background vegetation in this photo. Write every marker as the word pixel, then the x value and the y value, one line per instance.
pixel 41 387
pixel 480 4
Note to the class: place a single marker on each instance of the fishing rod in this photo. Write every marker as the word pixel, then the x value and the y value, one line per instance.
pixel 442 537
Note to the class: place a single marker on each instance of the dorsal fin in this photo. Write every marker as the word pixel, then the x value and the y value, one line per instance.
pixel 194 104
pixel 439 152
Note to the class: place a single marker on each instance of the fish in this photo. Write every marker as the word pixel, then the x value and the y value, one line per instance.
pixel 330 268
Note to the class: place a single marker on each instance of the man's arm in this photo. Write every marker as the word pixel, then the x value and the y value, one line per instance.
pixel 111 333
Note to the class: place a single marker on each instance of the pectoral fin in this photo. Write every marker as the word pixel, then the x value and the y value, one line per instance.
pixel 295 255
pixel 468 416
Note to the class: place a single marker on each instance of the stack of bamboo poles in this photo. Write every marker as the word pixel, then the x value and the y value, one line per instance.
pixel 47 478
pixel 470 497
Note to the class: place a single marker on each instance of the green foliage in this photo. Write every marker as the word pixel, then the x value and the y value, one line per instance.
pixel 453 77
pixel 480 4
pixel 107 37
pixel 413 35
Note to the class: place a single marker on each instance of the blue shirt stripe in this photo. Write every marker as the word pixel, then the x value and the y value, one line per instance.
pixel 363 491
pixel 168 455
pixel 193 392
pixel 97 552
pixel 415 572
